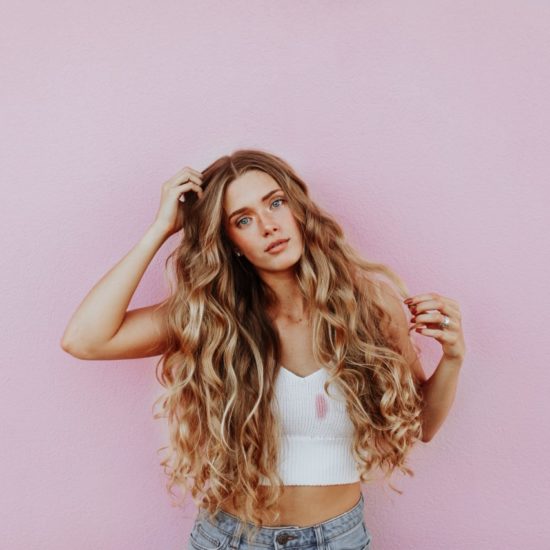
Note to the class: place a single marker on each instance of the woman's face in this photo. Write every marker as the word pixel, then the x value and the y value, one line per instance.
pixel 256 215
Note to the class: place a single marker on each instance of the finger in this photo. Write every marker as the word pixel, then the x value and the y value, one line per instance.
pixel 183 176
pixel 188 186
pixel 435 318
pixel 194 174
pixel 451 328
pixel 437 304
pixel 429 296
pixel 193 171
pixel 190 177
pixel 442 336
pixel 412 300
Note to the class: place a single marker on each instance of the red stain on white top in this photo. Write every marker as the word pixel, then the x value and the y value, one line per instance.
pixel 321 405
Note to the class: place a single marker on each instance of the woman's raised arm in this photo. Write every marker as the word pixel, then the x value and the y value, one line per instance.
pixel 101 327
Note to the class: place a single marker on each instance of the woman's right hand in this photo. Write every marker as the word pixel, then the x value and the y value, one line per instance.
pixel 170 213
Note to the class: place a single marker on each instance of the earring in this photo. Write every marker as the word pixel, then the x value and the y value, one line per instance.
pixel 238 253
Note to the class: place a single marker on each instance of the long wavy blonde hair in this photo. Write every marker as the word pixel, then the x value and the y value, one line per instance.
pixel 223 356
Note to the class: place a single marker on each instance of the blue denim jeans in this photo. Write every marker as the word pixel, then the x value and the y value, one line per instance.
pixel 344 532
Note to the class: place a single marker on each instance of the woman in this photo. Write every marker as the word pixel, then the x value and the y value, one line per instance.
pixel 286 358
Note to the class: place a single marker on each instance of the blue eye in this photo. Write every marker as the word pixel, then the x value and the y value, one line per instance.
pixel 238 223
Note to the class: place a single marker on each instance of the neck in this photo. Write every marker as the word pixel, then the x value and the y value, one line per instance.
pixel 289 304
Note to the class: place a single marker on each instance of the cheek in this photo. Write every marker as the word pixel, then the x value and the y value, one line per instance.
pixel 244 241
pixel 235 239
pixel 292 221
pixel 298 237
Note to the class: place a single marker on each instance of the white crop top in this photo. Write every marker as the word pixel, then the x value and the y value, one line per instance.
pixel 317 442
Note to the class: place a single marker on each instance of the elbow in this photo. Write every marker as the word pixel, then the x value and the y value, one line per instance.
pixel 65 342
pixel 64 345
pixel 73 350
pixel 425 436
pixel 428 435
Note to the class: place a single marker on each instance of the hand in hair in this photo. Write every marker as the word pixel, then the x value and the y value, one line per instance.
pixel 170 212
pixel 429 310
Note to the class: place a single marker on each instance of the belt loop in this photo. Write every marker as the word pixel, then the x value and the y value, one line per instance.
pixel 234 542
pixel 320 535
pixel 235 536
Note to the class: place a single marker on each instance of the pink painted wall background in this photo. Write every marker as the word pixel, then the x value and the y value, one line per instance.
pixel 423 126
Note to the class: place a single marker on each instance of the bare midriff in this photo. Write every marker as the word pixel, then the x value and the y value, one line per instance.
pixel 306 505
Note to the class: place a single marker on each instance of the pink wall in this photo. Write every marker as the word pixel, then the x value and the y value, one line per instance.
pixel 423 126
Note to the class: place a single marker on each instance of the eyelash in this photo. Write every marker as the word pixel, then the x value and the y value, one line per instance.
pixel 238 222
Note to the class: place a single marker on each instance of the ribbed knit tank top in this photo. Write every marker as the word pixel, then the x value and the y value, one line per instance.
pixel 317 431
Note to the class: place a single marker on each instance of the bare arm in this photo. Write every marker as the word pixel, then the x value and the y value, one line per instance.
pixel 101 328
pixel 440 388
pixel 102 312
pixel 439 394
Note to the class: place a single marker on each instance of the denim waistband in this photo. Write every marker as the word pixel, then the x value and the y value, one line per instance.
pixel 295 535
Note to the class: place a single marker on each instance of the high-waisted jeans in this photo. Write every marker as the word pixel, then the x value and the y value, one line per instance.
pixel 344 532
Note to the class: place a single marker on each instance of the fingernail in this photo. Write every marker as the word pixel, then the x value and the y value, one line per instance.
pixel 408 300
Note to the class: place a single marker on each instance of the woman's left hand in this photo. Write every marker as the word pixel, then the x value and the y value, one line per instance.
pixel 428 312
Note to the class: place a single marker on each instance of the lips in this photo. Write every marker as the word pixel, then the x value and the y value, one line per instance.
pixel 275 243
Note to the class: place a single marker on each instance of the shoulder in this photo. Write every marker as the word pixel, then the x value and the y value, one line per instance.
pixel 385 295
pixel 391 299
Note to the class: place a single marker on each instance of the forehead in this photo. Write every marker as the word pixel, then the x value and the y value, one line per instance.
pixel 247 189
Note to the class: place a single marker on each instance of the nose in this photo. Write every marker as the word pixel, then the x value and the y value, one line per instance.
pixel 269 224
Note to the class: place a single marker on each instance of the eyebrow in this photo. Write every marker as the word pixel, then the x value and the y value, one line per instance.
pixel 244 208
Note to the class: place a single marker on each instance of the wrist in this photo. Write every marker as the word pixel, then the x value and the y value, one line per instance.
pixel 155 235
pixel 158 230
pixel 453 360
